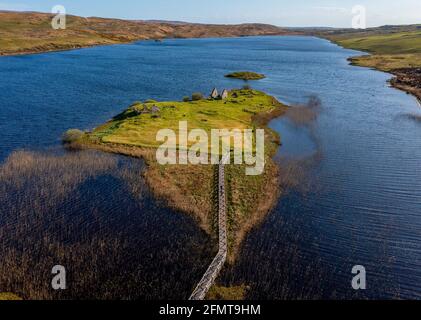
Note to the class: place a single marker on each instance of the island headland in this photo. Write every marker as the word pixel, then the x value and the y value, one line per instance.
pixel 192 188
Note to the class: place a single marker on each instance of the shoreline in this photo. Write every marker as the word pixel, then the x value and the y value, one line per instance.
pixel 393 81
pixel 87 46
pixel 34 52
pixel 25 33
pixel 396 76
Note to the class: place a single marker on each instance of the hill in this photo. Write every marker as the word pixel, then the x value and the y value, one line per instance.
pixel 31 32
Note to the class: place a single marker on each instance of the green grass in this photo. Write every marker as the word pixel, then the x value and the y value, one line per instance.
pixel 389 50
pixel 395 43
pixel 72 135
pixel 388 62
pixel 245 75
pixel 236 112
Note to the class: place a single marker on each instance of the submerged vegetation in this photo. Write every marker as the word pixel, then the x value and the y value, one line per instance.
pixel 92 213
pixel 191 188
pixel 245 75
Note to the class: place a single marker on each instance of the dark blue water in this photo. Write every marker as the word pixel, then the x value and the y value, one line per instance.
pixel 360 200
pixel 93 214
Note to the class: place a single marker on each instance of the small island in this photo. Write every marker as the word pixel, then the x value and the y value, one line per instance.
pixel 192 188
pixel 245 75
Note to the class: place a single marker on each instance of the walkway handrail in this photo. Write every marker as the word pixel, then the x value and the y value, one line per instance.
pixel 218 262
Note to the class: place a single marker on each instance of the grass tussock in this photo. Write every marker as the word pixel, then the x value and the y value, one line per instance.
pixel 72 135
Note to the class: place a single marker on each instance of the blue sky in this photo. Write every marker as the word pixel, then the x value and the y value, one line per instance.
pixel 335 13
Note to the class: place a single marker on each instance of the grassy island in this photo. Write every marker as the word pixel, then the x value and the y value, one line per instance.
pixel 246 75
pixel 193 188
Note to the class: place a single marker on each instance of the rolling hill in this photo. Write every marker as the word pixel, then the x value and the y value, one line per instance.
pixel 31 32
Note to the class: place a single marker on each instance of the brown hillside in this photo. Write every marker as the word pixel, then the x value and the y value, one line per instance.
pixel 30 32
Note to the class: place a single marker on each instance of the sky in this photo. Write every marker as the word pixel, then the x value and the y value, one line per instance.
pixel 287 13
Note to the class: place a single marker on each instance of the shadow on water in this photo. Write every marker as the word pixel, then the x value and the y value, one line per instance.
pixel 93 214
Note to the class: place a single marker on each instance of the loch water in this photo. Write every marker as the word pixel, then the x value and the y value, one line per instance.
pixel 358 201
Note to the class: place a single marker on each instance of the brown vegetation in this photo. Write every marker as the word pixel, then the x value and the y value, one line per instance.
pixel 227 293
pixel 91 213
pixel 409 80
pixel 22 33
pixel 249 204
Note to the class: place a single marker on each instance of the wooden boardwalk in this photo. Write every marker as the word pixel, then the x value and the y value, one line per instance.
pixel 218 262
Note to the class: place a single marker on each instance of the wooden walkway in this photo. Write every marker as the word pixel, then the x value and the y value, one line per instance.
pixel 218 262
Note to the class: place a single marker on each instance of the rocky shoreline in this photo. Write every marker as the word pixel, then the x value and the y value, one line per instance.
pixel 409 80
pixel 405 79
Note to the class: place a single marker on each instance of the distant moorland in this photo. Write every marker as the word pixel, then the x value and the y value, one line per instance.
pixel 30 32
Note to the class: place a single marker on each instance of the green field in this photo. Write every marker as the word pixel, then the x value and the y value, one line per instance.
pixel 235 112
pixel 394 43
pixel 390 50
